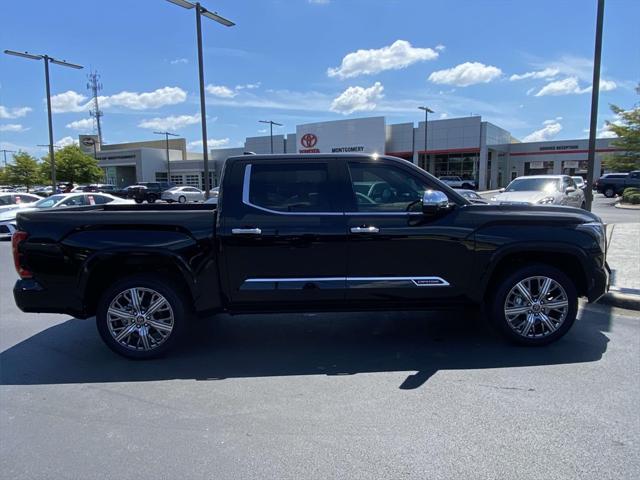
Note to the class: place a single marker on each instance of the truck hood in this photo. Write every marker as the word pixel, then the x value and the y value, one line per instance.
pixel 530 197
pixel 532 214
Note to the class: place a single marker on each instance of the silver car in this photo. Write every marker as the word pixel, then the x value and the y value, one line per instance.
pixel 541 190
pixel 183 194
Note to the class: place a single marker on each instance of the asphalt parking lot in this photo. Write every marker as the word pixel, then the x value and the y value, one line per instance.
pixel 386 395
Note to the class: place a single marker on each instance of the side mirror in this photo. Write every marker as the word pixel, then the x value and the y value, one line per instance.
pixel 569 190
pixel 434 201
pixel 502 190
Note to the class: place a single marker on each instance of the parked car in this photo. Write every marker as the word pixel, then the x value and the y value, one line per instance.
pixel 10 199
pixel 613 184
pixel 579 181
pixel 458 182
pixel 285 240
pixel 472 196
pixel 541 190
pixel 183 194
pixel 101 187
pixel 10 203
pixel 148 191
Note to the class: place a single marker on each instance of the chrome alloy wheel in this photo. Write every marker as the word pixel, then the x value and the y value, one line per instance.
pixel 536 307
pixel 140 319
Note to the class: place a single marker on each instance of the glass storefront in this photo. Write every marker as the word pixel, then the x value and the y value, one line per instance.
pixel 464 165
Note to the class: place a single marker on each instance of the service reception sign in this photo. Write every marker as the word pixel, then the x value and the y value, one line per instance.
pixel 344 136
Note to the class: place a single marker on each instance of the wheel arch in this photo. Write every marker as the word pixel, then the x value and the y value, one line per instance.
pixel 104 268
pixel 565 258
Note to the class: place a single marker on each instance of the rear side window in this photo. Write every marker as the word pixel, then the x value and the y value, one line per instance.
pixel 291 187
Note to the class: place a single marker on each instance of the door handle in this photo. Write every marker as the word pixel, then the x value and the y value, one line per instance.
pixel 246 231
pixel 365 229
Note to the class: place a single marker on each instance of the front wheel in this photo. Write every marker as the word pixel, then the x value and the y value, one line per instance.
pixel 182 199
pixel 141 317
pixel 609 192
pixel 534 305
pixel 151 199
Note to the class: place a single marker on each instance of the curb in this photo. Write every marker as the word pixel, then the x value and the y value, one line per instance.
pixel 621 300
pixel 626 207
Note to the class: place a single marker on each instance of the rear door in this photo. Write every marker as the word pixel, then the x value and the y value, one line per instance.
pixel 283 233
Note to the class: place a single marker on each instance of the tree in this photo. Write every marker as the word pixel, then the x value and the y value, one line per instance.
pixel 627 128
pixel 72 165
pixel 23 171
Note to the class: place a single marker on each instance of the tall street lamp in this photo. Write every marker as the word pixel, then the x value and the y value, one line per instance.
pixel 200 10
pixel 5 155
pixel 47 59
pixel 166 144
pixel 271 124
pixel 427 111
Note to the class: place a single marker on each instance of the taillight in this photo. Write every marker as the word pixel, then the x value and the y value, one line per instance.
pixel 16 239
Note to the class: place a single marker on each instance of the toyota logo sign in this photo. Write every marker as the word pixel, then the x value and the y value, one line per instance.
pixel 88 142
pixel 308 140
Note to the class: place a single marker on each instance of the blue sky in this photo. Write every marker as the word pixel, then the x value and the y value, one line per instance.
pixel 525 66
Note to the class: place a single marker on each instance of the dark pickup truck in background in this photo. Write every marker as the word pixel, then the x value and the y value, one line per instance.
pixel 612 184
pixel 310 233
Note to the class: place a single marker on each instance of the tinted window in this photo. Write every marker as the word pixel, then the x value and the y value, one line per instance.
pixel 74 201
pixel 385 188
pixel 5 200
pixel 299 187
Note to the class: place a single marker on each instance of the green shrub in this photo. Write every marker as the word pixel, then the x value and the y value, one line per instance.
pixel 634 199
pixel 629 193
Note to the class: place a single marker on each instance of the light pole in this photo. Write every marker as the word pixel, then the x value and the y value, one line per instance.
pixel 595 90
pixel 271 124
pixel 427 111
pixel 200 10
pixel 5 155
pixel 166 144
pixel 47 59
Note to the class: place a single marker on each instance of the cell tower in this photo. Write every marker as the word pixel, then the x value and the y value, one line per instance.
pixel 95 86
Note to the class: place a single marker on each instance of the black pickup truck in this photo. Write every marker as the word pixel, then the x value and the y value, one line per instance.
pixel 310 233
pixel 612 184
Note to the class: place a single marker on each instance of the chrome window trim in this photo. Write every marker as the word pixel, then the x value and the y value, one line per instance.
pixel 245 199
pixel 440 282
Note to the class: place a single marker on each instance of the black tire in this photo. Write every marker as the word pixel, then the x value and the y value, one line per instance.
pixel 182 199
pixel 583 206
pixel 467 186
pixel 609 192
pixel 496 303
pixel 139 200
pixel 171 293
pixel 151 199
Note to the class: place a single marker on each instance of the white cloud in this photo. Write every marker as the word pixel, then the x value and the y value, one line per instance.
pixel 355 99
pixel 211 143
pixel 566 86
pixel 607 85
pixel 440 47
pixel 16 112
pixel 172 122
pixel 82 124
pixel 71 101
pixel 249 86
pixel 66 141
pixel 12 127
pixel 176 61
pixel 220 91
pixel 550 129
pixel 400 54
pixel 546 73
pixel 465 74
pixel 68 101
pixel 319 2
pixel 145 100
pixel 263 130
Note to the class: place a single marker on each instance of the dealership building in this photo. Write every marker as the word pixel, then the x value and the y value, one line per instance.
pixel 467 147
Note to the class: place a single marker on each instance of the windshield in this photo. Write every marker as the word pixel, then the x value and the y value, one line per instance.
pixel 534 185
pixel 578 180
pixel 49 201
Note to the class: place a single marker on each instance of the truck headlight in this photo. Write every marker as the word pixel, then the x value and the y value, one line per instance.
pixel 598 231
pixel 546 200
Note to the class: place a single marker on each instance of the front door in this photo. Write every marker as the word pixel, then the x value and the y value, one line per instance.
pixel 283 233
pixel 395 252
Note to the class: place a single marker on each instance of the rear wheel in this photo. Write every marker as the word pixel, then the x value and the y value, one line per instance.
pixel 182 199
pixel 534 305
pixel 151 198
pixel 609 192
pixel 140 317
pixel 139 200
